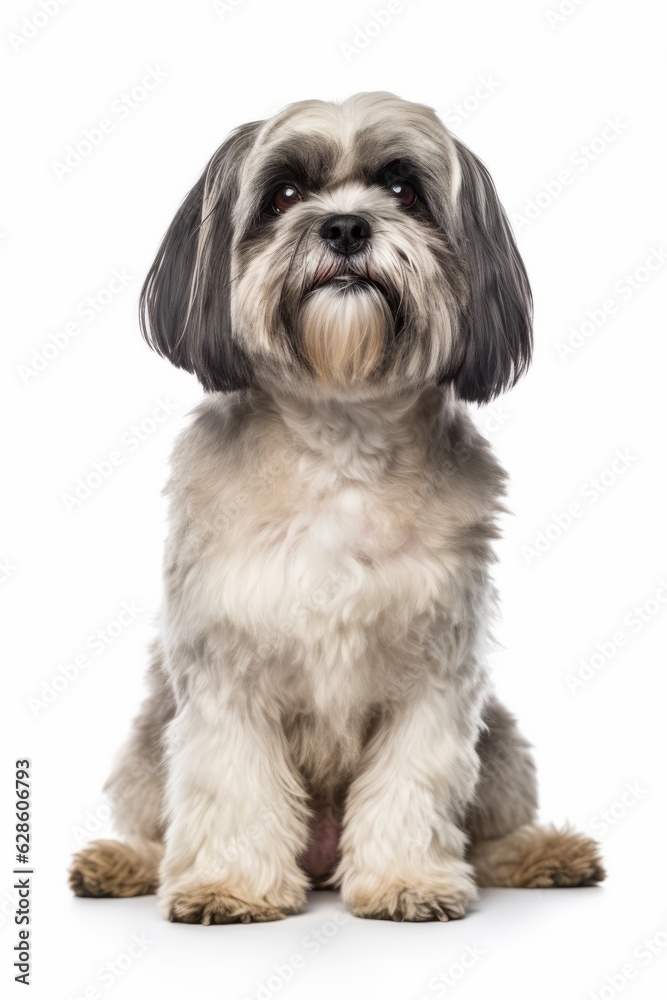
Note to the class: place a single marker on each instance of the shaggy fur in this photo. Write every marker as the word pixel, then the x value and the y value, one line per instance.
pixel 109 868
pixel 319 705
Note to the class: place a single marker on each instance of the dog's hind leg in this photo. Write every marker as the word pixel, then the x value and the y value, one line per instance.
pixel 507 847
pixel 136 790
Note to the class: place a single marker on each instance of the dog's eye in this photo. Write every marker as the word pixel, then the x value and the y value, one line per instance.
pixel 285 197
pixel 403 192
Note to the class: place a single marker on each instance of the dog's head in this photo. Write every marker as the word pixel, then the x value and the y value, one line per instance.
pixel 357 247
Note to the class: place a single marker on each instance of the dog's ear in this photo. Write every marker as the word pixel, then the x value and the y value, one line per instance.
pixel 184 308
pixel 497 326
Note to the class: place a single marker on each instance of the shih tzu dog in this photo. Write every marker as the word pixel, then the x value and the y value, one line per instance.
pixel 342 279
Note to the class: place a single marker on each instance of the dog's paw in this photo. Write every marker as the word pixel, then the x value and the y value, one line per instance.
pixel 559 859
pixel 112 868
pixel 214 904
pixel 440 895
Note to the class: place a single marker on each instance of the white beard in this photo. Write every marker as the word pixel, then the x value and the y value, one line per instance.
pixel 344 332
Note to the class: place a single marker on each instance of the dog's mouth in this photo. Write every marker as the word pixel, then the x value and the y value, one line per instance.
pixel 347 281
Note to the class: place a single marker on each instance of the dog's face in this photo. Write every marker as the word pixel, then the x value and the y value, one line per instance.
pixel 353 248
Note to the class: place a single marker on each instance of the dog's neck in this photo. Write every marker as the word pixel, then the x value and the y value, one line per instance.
pixel 358 438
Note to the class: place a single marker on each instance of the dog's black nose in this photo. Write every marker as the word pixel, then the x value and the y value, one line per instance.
pixel 345 234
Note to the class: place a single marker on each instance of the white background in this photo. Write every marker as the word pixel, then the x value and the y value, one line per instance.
pixel 551 85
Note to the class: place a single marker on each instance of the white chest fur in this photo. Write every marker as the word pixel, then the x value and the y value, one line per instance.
pixel 332 561
pixel 340 564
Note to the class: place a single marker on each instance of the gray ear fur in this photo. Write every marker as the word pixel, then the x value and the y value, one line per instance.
pixel 184 305
pixel 497 329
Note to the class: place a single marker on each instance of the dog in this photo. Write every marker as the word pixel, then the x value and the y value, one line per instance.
pixel 343 281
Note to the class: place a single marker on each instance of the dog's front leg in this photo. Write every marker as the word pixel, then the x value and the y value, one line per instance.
pixel 402 845
pixel 236 814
